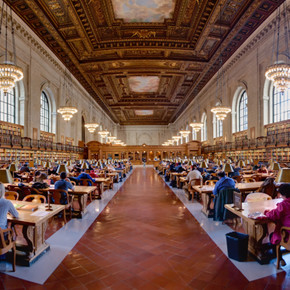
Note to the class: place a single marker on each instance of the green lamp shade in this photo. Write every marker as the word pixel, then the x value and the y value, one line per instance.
pixel 85 166
pixel 275 166
pixel 5 176
pixel 227 168
pixel 283 175
pixel 61 168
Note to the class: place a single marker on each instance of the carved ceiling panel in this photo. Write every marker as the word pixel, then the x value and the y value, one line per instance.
pixel 107 43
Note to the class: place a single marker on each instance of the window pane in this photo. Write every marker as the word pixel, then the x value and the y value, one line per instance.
pixel 243 112
pixel 281 105
pixel 44 113
pixel 7 106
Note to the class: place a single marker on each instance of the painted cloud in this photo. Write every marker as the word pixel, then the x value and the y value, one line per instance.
pixel 143 10
pixel 148 84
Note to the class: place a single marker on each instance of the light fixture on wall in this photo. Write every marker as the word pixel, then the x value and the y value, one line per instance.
pixel 279 72
pixel 184 133
pixel 92 127
pixel 219 110
pixel 196 126
pixel 10 73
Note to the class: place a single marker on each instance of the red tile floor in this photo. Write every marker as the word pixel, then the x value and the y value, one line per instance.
pixel 146 239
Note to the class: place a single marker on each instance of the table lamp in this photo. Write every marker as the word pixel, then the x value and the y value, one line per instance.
pixel 5 176
pixel 275 166
pixel 283 176
pixel 227 168
pixel 61 168
pixel 203 164
pixel 85 166
pixel 241 164
pixel 219 162
pixel 12 168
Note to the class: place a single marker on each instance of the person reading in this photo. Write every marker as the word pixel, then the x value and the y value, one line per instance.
pixel 280 215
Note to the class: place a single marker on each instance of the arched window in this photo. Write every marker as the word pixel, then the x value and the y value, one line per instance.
pixel 243 112
pixel 204 127
pixel 44 113
pixel 281 105
pixel 219 128
pixel 7 106
pixel 194 135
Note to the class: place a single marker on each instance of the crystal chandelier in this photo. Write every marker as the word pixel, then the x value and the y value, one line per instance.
pixel 10 73
pixel 221 112
pixel 67 112
pixel 111 138
pixel 196 126
pixel 165 144
pixel 279 72
pixel 91 127
pixel 176 138
pixel 184 133
pixel 118 142
pixel 170 142
pixel 104 133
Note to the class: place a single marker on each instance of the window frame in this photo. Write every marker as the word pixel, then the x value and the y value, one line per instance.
pixel 45 119
pixel 285 103
pixel 6 113
pixel 242 126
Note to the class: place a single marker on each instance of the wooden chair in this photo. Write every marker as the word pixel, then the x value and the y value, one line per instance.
pixel 12 195
pixel 59 196
pixel 37 198
pixel 210 182
pixel 190 189
pixel 7 244
pixel 284 243
pixel 73 183
pixel 257 196
pixel 87 182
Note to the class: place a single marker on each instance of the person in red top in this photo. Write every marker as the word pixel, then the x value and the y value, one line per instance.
pixel 280 215
pixel 263 169
pixel 93 174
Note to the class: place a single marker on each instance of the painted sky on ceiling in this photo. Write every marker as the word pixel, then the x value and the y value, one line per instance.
pixel 148 84
pixel 143 10
pixel 144 112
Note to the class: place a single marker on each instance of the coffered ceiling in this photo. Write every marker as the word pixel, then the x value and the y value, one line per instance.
pixel 137 56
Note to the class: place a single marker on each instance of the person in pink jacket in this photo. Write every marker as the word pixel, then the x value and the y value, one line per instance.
pixel 281 214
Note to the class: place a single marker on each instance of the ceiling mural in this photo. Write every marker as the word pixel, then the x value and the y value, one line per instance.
pixel 144 84
pixel 143 10
pixel 137 56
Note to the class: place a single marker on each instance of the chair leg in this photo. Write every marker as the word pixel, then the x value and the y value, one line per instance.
pixel 64 216
pixel 278 256
pixel 13 257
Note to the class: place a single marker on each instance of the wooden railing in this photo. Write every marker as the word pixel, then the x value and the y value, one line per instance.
pixel 18 142
pixel 276 140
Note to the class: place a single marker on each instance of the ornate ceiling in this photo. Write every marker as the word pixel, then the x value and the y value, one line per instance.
pixel 128 66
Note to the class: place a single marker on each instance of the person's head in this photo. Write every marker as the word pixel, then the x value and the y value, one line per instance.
pixel 2 190
pixel 284 190
pixel 263 166
pixel 221 174
pixel 37 173
pixel 42 177
pixel 63 175
pixel 194 167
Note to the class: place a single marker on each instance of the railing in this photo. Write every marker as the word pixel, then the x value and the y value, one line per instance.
pixel 275 140
pixel 12 141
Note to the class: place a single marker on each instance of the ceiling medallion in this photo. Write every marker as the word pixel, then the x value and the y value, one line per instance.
pixel 67 112
pixel 91 127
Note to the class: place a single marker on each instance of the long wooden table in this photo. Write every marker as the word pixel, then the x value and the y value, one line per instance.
pixel 34 225
pixel 82 193
pixel 256 229
pixel 206 192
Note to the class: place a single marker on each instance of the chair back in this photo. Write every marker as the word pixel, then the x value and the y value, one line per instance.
pixel 85 182
pixel 210 182
pixel 11 195
pixel 194 182
pixel 285 237
pixel 60 196
pixel 269 187
pixel 36 198
pixel 225 196
pixel 6 243
pixel 257 196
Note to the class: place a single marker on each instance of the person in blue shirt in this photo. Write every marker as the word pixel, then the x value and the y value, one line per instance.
pixel 64 184
pixel 84 175
pixel 224 182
